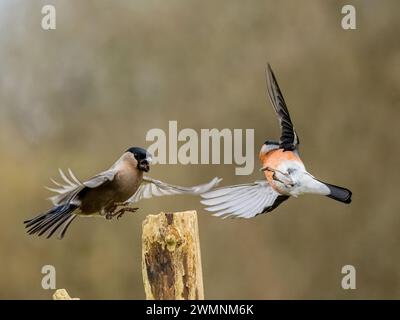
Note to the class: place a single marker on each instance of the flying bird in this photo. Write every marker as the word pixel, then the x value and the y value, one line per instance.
pixel 109 194
pixel 285 173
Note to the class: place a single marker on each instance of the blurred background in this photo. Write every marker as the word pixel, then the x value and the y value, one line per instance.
pixel 80 95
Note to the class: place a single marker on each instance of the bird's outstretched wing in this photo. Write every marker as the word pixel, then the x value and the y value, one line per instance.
pixel 71 186
pixel 289 139
pixel 155 188
pixel 242 201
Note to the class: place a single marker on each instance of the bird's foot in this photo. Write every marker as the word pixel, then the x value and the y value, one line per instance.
pixel 273 170
pixel 119 213
pixel 280 176
pixel 122 211
pixel 108 216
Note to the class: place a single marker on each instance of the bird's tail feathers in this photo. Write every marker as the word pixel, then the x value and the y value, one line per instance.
pixel 339 193
pixel 49 222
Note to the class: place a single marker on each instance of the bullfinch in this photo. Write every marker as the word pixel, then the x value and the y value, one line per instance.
pixel 285 173
pixel 108 194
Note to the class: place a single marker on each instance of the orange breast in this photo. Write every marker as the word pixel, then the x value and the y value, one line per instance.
pixel 274 158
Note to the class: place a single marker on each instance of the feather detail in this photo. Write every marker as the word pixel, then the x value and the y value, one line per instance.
pixel 68 186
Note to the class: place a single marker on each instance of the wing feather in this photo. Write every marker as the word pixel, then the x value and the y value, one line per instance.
pixel 221 203
pixel 67 191
pixel 101 178
pixel 289 139
pixel 242 201
pixel 155 188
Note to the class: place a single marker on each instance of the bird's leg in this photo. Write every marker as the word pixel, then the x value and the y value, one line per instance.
pixel 110 213
pixel 121 204
pixel 272 170
pixel 280 176
pixel 119 213
pixel 122 211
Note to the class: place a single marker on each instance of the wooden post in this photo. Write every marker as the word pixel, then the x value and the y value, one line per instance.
pixel 171 262
pixel 62 294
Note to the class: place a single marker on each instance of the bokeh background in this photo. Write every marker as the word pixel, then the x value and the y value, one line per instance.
pixel 80 95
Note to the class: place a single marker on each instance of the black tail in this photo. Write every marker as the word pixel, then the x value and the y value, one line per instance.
pixel 51 220
pixel 339 193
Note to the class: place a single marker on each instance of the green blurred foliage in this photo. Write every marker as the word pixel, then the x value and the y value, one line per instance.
pixel 81 94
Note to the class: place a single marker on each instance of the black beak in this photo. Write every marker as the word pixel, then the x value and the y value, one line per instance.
pixel 144 165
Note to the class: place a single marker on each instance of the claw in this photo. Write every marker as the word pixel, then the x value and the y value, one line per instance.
pixel 285 176
pixel 121 212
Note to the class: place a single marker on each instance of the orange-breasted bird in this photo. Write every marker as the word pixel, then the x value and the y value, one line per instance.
pixel 285 173
pixel 108 194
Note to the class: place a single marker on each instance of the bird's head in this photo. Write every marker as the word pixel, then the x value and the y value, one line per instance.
pixel 143 158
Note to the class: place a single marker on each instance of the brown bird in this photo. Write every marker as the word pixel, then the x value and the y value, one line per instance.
pixel 108 194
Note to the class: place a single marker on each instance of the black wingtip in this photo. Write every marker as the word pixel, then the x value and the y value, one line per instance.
pixel 270 71
pixel 271 79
